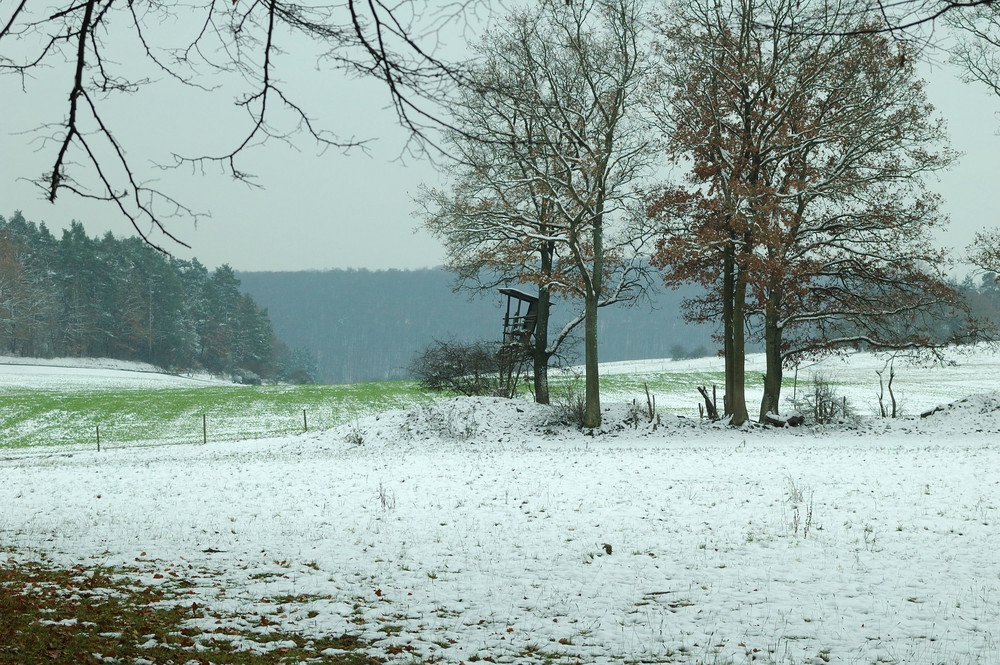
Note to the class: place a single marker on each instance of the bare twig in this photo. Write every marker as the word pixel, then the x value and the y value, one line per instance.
pixel 372 38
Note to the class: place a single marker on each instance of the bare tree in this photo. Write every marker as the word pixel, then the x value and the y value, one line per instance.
pixel 550 152
pixel 494 220
pixel 512 212
pixel 904 19
pixel 977 52
pixel 91 43
pixel 805 203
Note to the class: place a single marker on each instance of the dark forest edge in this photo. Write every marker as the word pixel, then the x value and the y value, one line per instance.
pixel 111 297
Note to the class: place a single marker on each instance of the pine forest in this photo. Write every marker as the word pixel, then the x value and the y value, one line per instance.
pixel 78 296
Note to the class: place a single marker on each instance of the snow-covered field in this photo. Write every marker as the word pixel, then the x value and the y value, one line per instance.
pixel 476 529
pixel 918 387
pixel 86 373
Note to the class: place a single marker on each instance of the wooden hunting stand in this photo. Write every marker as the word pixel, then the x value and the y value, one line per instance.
pixel 520 318
pixel 518 337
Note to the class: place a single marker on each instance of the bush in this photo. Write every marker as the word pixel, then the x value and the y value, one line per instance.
pixel 468 368
pixel 570 404
pixel 246 377
pixel 823 405
pixel 699 352
pixel 680 352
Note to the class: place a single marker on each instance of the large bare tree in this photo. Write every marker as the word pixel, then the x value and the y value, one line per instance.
pixel 805 204
pixel 548 154
pixel 106 50
pixel 541 109
pixel 905 19
pixel 977 51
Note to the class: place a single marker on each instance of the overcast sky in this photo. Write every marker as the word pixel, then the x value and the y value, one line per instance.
pixel 350 210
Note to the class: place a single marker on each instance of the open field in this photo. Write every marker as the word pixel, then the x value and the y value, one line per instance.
pixel 67 405
pixel 918 386
pixel 484 530
pixel 53 405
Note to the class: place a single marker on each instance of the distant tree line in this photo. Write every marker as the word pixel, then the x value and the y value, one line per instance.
pixel 983 298
pixel 77 296
pixel 366 325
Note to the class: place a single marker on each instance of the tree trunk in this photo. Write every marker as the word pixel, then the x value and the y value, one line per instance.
pixel 592 405
pixel 727 324
pixel 592 408
pixel 539 353
pixel 734 344
pixel 734 336
pixel 773 372
pixel 737 401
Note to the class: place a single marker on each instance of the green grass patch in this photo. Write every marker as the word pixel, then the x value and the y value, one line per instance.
pixel 178 415
pixel 77 615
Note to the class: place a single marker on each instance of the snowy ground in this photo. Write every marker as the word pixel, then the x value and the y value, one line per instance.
pixel 87 373
pixel 477 529
pixel 918 386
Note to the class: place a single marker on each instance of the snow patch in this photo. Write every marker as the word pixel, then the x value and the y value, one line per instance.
pixel 91 373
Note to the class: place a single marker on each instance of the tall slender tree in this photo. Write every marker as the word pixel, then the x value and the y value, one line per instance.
pixel 550 152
